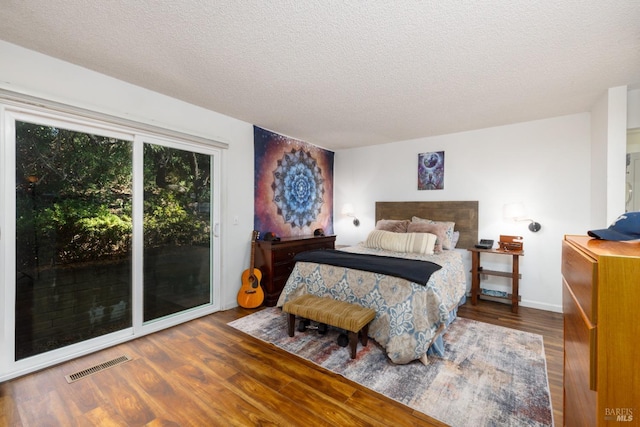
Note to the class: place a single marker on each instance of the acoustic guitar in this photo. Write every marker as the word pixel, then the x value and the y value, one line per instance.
pixel 251 294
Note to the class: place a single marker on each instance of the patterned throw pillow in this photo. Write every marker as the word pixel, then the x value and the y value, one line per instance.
pixel 454 240
pixel 440 230
pixel 394 225
pixel 447 243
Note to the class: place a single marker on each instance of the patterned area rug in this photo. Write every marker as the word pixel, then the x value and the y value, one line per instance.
pixel 490 375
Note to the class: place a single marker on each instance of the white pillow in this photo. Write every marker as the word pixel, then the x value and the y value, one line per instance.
pixel 420 243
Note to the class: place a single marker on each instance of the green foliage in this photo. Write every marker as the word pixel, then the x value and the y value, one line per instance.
pixel 166 221
pixel 76 229
pixel 73 198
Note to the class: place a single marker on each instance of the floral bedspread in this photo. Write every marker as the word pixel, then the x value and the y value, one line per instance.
pixel 409 316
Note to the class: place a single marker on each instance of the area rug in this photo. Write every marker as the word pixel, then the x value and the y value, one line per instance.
pixel 490 375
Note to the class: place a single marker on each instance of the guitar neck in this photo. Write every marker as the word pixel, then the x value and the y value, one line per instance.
pixel 253 250
pixel 254 237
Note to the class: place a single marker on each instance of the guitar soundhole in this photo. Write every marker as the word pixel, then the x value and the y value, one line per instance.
pixel 252 280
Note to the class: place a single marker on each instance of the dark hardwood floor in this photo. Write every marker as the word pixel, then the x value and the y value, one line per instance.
pixel 205 373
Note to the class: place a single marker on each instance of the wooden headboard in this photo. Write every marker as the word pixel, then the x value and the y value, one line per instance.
pixel 464 214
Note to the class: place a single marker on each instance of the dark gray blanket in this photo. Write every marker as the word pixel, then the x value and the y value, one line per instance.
pixel 410 269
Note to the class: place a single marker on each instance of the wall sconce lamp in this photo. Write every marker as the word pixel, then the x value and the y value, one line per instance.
pixel 515 212
pixel 347 210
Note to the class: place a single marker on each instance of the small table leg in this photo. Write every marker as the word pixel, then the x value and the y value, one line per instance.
pixel 475 277
pixel 515 285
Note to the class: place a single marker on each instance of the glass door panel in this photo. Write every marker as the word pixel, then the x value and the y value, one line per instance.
pixel 73 237
pixel 177 231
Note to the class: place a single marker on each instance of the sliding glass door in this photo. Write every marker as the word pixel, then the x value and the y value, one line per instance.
pixel 177 230
pixel 114 236
pixel 73 237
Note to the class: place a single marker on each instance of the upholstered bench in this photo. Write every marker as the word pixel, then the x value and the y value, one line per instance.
pixel 343 315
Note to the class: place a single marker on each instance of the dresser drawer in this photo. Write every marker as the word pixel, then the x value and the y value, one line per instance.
pixel 581 274
pixel 281 255
pixel 286 253
pixel 580 364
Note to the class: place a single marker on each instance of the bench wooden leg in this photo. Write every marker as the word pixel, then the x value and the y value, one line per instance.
pixel 353 343
pixel 353 339
pixel 364 337
pixel 291 323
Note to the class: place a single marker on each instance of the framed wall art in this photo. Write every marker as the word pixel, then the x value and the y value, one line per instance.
pixel 431 171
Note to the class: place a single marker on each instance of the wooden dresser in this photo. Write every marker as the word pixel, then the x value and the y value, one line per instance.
pixel 601 305
pixel 275 261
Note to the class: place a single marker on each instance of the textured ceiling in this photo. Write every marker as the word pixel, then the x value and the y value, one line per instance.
pixel 349 73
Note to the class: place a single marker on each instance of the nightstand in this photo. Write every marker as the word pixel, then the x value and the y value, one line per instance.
pixel 477 271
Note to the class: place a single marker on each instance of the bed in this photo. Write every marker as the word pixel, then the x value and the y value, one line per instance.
pixel 410 317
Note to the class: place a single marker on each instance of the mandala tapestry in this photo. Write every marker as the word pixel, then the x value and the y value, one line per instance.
pixel 293 187
pixel 431 171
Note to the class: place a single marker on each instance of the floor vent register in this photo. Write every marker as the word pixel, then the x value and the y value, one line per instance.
pixel 97 368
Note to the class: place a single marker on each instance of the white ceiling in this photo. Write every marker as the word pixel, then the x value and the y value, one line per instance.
pixel 341 73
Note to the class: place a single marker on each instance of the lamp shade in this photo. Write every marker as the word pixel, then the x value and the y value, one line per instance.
pixel 347 209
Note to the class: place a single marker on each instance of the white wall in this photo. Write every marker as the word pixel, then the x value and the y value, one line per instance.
pixel 608 154
pixel 633 121
pixel 616 152
pixel 598 191
pixel 30 73
pixel 633 140
pixel 633 109
pixel 543 163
